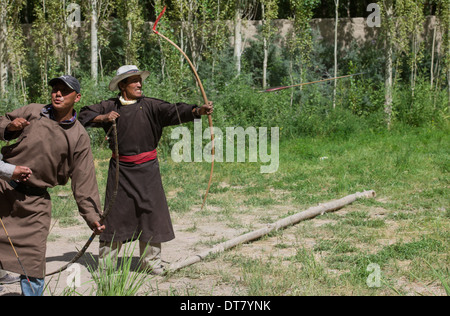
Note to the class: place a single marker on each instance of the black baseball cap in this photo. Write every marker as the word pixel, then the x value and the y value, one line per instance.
pixel 70 81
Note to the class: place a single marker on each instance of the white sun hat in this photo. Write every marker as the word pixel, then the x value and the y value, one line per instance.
pixel 125 72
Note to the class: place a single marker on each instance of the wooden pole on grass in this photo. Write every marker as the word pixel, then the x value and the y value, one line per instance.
pixel 281 224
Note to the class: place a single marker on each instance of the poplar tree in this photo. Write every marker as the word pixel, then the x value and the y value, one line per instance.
pixel 218 38
pixel 238 34
pixel 173 66
pixel 131 15
pixel 66 25
pixel 12 48
pixel 336 2
pixel 402 27
pixel 299 41
pixel 97 13
pixel 243 9
pixel 45 45
pixel 388 31
pixel 4 12
pixel 269 10
pixel 443 15
pixel 193 29
pixel 413 24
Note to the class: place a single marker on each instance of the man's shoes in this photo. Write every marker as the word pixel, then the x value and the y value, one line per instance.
pixel 157 270
pixel 153 270
pixel 9 279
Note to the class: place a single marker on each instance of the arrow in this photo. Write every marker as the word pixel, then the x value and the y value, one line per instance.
pixel 306 83
pixel 17 256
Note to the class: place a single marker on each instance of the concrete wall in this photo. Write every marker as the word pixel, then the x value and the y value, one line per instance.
pixel 349 29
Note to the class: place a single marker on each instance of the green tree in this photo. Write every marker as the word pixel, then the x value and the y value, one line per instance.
pixel 413 24
pixel 47 13
pixel 299 41
pixel 66 25
pixel 55 40
pixel 219 11
pixel 388 31
pixel 443 14
pixel 195 23
pixel 243 10
pixel 269 10
pixel 131 15
pixel 402 28
pixel 98 12
pixel 12 47
pixel 172 65
pixel 336 3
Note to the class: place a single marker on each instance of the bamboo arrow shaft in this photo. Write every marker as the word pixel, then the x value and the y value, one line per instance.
pixel 17 256
pixel 281 224
pixel 307 83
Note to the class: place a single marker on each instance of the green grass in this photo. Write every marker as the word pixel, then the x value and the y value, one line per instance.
pixel 119 277
pixel 408 168
pixel 405 230
pixel 407 223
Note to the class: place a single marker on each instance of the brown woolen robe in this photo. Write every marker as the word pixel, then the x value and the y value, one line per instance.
pixel 140 209
pixel 54 152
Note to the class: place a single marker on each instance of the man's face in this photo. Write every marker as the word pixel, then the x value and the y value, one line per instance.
pixel 63 97
pixel 131 88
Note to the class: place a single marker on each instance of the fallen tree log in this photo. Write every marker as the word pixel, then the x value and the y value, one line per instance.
pixel 281 224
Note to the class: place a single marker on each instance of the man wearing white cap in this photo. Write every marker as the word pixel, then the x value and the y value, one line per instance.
pixel 140 210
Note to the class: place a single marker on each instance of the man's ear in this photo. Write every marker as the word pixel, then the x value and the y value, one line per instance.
pixel 78 98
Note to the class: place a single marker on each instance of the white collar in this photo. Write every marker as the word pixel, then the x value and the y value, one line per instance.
pixel 125 102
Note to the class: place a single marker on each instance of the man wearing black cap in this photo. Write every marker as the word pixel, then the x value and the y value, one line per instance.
pixel 56 147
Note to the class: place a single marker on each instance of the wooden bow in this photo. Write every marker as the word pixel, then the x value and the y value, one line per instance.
pixel 105 213
pixel 205 99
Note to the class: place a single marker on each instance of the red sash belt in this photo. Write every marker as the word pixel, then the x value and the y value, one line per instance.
pixel 138 159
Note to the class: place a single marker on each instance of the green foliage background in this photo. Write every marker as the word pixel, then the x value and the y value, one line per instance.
pixel 300 57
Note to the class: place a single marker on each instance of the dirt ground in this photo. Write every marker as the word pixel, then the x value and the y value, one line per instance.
pixel 64 243
pixel 194 234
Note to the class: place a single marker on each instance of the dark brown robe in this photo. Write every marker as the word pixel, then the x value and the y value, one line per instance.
pixel 54 152
pixel 140 209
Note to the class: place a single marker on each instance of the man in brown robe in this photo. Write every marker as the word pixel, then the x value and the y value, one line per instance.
pixel 56 147
pixel 18 173
pixel 140 210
